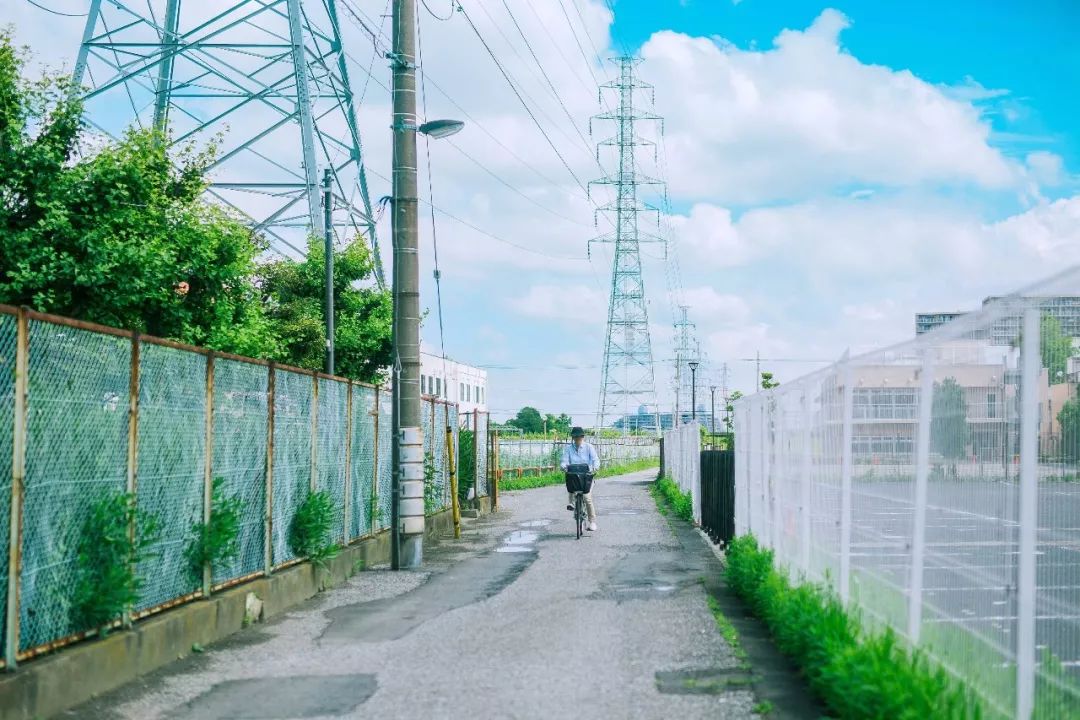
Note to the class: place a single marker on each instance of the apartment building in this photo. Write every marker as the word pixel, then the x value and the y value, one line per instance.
pixel 454 381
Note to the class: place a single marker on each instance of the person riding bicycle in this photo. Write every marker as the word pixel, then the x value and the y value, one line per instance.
pixel 580 452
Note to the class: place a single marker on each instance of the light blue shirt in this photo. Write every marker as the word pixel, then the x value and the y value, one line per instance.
pixel 585 455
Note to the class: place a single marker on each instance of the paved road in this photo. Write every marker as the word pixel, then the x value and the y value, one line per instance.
pixel 516 620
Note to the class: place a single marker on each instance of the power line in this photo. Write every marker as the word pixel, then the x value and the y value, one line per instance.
pixel 551 85
pixel 511 187
pixel 486 233
pixel 558 47
pixel 438 17
pixel 513 87
pixel 54 12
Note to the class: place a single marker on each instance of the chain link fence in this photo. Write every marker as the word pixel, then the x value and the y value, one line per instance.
pixel 934 486
pixel 108 412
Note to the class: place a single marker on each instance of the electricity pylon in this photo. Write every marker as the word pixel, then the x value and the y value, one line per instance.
pixel 628 381
pixel 266 78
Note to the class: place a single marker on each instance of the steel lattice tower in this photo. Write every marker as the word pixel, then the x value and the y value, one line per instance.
pixel 685 351
pixel 269 76
pixel 628 380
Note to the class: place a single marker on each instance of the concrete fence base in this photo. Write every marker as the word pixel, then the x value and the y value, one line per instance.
pixel 50 685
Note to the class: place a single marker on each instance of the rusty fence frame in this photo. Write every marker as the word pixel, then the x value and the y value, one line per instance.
pixel 21 396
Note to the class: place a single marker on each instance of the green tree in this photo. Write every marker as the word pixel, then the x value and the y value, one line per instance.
pixel 729 409
pixel 295 295
pixel 767 381
pixel 528 420
pixel 949 425
pixel 1069 417
pixel 560 424
pixel 1055 348
pixel 120 235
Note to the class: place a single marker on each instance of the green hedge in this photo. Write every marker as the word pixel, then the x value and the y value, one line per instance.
pixel 669 496
pixel 557 478
pixel 858 674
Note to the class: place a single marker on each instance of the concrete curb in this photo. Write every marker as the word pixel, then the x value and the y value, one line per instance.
pixel 45 687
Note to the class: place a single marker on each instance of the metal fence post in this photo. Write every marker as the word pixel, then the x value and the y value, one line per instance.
pixel 208 463
pixel 806 498
pixel 18 478
pixel 493 488
pixel 922 480
pixel 268 521
pixel 348 464
pixel 373 511
pixel 1031 362
pixel 454 504
pixel 133 447
pixel 845 485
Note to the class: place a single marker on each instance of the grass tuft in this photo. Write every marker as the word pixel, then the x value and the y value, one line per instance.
pixel 669 497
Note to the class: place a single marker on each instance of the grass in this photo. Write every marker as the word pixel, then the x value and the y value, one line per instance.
pixel 557 478
pixel 763 708
pixel 858 674
pixel 669 498
pixel 727 630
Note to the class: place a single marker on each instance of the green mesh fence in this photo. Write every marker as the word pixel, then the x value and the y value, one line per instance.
pixel 77 432
pixel 293 395
pixel 171 464
pixel 240 423
pixel 330 468
pixel 362 464
pixel 384 439
pixel 7 418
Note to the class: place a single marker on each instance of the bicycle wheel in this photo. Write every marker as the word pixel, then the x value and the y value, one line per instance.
pixel 579 514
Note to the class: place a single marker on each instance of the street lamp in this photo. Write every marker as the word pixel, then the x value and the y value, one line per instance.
pixel 693 388
pixel 712 408
pixel 441 128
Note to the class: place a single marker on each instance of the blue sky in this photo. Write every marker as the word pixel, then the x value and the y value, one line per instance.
pixel 833 168
pixel 1032 50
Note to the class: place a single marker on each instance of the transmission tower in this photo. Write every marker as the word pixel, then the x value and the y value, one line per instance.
pixel 686 350
pixel 268 76
pixel 628 361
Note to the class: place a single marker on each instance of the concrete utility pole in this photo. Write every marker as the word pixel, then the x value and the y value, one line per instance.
pixel 328 242
pixel 408 456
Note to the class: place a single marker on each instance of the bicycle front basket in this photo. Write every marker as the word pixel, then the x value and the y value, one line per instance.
pixel 579 482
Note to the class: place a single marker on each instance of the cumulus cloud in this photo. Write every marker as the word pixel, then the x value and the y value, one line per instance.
pixel 804 116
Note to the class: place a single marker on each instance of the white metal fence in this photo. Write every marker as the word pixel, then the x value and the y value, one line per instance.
pixel 682 461
pixel 934 486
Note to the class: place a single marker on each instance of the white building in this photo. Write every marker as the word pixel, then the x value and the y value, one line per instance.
pixel 463 384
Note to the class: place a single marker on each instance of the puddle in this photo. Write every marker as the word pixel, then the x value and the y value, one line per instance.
pixel 519 541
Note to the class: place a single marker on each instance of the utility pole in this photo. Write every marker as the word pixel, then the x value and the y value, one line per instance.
pixel 693 389
pixel 724 391
pixel 328 242
pixel 712 409
pixel 408 456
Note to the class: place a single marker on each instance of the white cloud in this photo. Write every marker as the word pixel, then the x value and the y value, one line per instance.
pixel 713 308
pixel 569 303
pixel 800 118
pixel 1046 168
pixel 1051 231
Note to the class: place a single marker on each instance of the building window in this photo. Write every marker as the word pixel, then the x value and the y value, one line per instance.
pixel 438 386
pixel 991 405
pixel 423 384
pixel 461 391
pixel 468 393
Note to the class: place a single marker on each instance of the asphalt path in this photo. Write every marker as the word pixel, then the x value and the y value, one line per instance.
pixel 518 619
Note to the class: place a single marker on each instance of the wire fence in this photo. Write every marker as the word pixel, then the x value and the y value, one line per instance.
pixel 933 485
pixel 540 456
pixel 87 412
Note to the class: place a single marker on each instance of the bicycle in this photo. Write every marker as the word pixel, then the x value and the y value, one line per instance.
pixel 579 483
